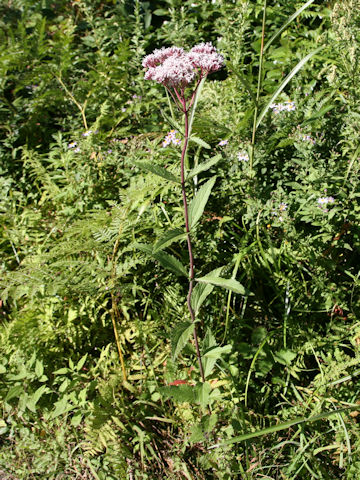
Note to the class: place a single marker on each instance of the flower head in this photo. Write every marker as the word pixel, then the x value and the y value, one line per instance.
pixel 223 142
pixel 243 157
pixel 205 57
pixel 72 144
pixel 171 139
pixel 173 67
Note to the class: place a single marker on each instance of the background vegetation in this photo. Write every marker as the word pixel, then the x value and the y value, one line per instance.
pixel 75 117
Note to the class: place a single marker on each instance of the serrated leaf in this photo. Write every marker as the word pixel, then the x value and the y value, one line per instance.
pixel 181 393
pixel 199 141
pixel 157 170
pixel 228 283
pixel 199 295
pixel 170 263
pixel 198 203
pixel 144 247
pixel 203 394
pixel 167 261
pixel 216 352
pixel 202 167
pixel 176 125
pixel 168 238
pixel 180 337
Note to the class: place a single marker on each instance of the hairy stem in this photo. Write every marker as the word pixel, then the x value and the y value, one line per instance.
pixel 187 227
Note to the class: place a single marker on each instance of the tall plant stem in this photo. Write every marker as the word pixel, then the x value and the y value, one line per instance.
pixel 188 237
pixel 258 87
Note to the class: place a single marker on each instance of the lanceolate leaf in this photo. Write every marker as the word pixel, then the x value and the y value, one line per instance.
pixel 287 23
pixel 228 283
pixel 193 109
pixel 168 238
pixel 199 141
pixel 171 263
pixel 167 261
pixel 157 170
pixel 283 426
pixel 199 294
pixel 172 122
pixel 180 336
pixel 198 203
pixel 203 166
pixel 285 82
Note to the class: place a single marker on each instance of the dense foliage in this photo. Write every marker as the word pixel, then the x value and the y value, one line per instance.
pixel 98 373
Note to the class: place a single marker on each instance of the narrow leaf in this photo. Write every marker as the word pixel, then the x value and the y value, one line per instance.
pixel 228 283
pixel 167 261
pixel 157 170
pixel 172 122
pixel 216 352
pixel 199 141
pixel 199 295
pixel 285 82
pixel 203 166
pixel 180 336
pixel 287 23
pixel 198 203
pixel 171 263
pixel 168 238
pixel 193 108
pixel 283 426
pixel 243 80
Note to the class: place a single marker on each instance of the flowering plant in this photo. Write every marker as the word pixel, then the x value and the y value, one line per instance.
pixel 177 70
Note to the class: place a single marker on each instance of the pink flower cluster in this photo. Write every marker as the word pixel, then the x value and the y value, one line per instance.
pixel 173 67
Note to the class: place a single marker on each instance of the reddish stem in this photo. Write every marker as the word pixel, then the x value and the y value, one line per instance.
pixel 187 227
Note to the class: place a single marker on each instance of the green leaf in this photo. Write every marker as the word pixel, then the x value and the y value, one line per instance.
pixel 180 393
pixel 180 337
pixel 81 362
pixel 144 247
pixel 32 401
pixel 203 166
pixel 157 170
pixel 2 369
pixel 198 203
pixel 172 122
pixel 14 392
pixel 199 295
pixel 285 357
pixel 283 426
pixel 217 352
pixel 202 394
pixel 193 108
pixel 199 141
pixel 228 283
pixel 168 238
pixel 39 369
pixel 287 22
pixel 170 263
pixel 285 82
pixel 167 261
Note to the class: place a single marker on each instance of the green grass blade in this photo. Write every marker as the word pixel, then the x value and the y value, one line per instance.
pixel 287 23
pixel 285 82
pixel 282 426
